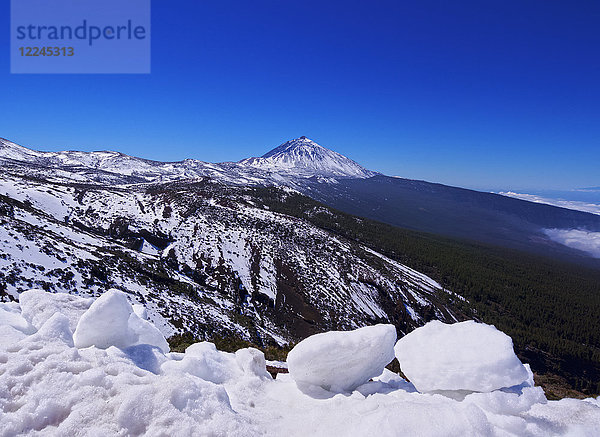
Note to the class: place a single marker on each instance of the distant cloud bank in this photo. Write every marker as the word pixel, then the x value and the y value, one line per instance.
pixel 580 239
pixel 594 208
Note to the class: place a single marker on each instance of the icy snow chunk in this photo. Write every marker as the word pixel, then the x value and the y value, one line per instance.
pixel 106 323
pixel 252 362
pixel 466 356
pixel 38 306
pixel 140 311
pixel 340 361
pixel 147 333
pixel 56 328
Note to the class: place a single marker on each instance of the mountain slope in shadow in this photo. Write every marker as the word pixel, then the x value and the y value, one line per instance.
pixel 457 212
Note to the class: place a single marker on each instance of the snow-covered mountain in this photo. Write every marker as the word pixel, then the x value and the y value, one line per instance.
pixel 305 158
pixel 200 254
pixel 337 181
pixel 288 164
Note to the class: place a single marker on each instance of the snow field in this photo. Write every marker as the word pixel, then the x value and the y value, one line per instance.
pixel 70 366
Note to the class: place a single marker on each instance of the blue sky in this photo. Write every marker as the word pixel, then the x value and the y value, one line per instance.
pixel 490 95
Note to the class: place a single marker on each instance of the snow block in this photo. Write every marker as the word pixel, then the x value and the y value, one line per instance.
pixel 340 361
pixel 147 333
pixel 466 356
pixel 252 362
pixel 56 328
pixel 206 362
pixel 106 323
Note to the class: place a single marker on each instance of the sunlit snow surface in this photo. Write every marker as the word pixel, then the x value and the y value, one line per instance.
pixel 48 386
pixel 461 356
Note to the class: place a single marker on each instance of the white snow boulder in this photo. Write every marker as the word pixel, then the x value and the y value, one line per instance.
pixel 106 323
pixel 252 362
pixel 339 361
pixel 56 328
pixel 466 356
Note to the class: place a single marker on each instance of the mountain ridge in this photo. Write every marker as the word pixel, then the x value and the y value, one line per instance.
pixel 298 158
pixel 309 168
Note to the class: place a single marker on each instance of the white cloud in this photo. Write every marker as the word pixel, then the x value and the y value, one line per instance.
pixel 594 208
pixel 577 239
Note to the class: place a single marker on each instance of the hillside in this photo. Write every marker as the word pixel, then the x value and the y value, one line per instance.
pixel 548 307
pixel 205 258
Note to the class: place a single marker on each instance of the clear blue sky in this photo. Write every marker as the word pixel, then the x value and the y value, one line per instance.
pixel 486 94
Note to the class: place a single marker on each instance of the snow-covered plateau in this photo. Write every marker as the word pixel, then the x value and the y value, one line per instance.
pixel 72 366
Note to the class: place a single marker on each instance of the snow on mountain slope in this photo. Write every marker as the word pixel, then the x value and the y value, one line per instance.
pixel 288 165
pixel 12 151
pixel 100 167
pixel 338 182
pixel 205 257
pixel 305 158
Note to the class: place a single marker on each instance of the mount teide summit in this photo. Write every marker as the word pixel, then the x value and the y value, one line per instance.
pixel 304 157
